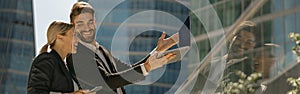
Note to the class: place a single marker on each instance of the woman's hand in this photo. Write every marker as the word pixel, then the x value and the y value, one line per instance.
pixel 83 92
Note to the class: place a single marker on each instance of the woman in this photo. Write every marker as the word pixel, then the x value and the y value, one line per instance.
pixel 49 71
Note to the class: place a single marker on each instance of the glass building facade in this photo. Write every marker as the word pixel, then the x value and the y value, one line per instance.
pixel 16 45
pixel 130 30
pixel 275 19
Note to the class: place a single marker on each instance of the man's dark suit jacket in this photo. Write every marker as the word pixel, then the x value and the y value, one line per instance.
pixel 49 73
pixel 90 75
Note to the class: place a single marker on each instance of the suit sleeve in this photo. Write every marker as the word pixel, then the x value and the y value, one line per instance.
pixel 123 66
pixel 127 74
pixel 39 77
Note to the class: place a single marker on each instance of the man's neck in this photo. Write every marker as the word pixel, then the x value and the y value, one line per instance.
pixel 94 43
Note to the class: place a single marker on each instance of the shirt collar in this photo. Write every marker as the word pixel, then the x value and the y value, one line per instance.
pixel 90 45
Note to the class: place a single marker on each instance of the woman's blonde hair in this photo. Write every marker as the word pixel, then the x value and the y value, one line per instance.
pixel 55 28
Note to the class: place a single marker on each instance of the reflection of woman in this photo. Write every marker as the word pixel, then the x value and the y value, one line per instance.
pixel 265 58
pixel 49 73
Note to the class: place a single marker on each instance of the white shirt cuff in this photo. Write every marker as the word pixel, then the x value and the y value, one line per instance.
pixel 153 51
pixel 145 73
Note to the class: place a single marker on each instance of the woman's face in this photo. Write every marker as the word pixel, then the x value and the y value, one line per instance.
pixel 264 63
pixel 71 41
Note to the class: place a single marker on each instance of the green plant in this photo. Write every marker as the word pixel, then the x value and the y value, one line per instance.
pixel 296 49
pixel 244 85
pixel 295 83
pixel 296 38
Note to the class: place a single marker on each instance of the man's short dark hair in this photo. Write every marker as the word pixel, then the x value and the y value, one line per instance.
pixel 248 26
pixel 81 7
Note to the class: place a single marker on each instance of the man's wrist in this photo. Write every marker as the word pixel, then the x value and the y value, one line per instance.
pixel 147 66
pixel 145 69
pixel 153 51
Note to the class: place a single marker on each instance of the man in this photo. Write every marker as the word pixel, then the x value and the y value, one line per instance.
pixel 236 59
pixel 95 66
pixel 240 51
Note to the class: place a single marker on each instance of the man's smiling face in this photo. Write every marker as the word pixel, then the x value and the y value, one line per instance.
pixel 85 27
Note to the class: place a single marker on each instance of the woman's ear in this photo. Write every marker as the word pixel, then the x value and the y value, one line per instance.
pixel 59 37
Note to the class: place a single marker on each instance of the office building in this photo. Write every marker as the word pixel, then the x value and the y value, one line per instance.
pixel 275 20
pixel 16 45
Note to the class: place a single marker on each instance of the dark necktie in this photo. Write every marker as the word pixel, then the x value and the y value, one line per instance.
pixel 108 62
pixel 111 67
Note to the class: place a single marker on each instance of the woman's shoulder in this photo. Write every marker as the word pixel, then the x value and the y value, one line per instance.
pixel 44 57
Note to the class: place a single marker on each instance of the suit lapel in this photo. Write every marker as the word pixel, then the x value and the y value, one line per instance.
pixel 111 62
pixel 71 70
pixel 62 67
pixel 109 59
pixel 85 67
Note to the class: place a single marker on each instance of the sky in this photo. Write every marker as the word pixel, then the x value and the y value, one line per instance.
pixel 45 12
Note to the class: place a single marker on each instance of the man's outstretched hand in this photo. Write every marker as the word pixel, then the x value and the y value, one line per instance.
pixel 164 44
pixel 153 62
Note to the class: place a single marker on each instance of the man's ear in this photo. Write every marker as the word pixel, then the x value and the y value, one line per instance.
pixel 95 20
